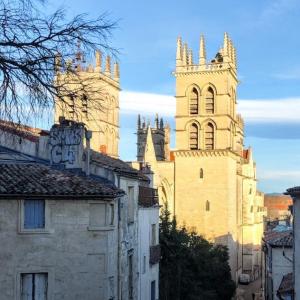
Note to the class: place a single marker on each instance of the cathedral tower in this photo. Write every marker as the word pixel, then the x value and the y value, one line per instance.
pixel 90 94
pixel 206 116
pixel 160 136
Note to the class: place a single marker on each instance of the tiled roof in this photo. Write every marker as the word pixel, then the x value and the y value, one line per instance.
pixel 117 165
pixel 279 239
pixel 23 131
pixel 34 179
pixel 287 284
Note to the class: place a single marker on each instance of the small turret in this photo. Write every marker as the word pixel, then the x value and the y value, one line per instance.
pixel 116 71
pixel 202 51
pixel 161 124
pixel 156 121
pixel 179 53
pixel 185 55
pixel 107 66
pixel 98 56
pixel 139 122
pixel 190 60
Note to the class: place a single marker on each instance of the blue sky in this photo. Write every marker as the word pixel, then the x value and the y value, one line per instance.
pixel 265 33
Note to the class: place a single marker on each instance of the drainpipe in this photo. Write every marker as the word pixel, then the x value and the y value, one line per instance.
pixel 88 136
pixel 119 242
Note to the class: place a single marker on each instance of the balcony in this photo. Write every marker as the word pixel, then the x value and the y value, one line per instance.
pixel 154 254
pixel 148 196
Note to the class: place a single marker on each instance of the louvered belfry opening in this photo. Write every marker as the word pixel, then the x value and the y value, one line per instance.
pixel 194 102
pixel 209 136
pixel 210 101
pixel 194 137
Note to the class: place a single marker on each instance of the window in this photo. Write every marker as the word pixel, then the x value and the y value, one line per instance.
pixel 209 136
pixel 71 105
pixel 153 234
pixel 84 103
pixel 130 276
pixel 34 286
pixel 193 137
pixel 201 173
pixel 153 290
pixel 207 206
pixel 194 102
pixel 130 194
pixel 210 101
pixel 34 214
pixel 101 215
pixel 111 214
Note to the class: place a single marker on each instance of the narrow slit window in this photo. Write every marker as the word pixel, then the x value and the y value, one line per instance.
pixel 207 206
pixel 201 173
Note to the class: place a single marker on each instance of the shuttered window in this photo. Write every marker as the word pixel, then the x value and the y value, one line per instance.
pixel 210 101
pixel 209 136
pixel 194 137
pixel 34 214
pixel 34 286
pixel 194 102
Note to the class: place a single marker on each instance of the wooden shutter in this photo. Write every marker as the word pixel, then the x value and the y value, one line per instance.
pixel 40 286
pixel 34 214
pixel 26 287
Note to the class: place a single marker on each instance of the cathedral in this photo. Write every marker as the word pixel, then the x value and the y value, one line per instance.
pixel 209 180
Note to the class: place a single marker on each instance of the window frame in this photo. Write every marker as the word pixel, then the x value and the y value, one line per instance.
pixel 36 270
pixel 22 229
pixel 110 215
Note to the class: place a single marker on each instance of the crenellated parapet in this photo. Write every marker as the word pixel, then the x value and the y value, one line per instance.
pixel 225 58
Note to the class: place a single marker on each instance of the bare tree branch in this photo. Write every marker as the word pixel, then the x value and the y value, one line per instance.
pixel 31 43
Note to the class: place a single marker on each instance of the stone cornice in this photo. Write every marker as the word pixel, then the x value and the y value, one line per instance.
pixel 206 153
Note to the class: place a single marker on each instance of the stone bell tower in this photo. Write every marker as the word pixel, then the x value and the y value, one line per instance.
pixel 206 117
pixel 160 137
pixel 90 94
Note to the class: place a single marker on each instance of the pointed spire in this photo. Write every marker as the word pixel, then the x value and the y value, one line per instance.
pixel 144 123
pixel 149 155
pixel 191 62
pixel 107 66
pixel 185 55
pixel 161 123
pixel 156 121
pixel 116 71
pixel 234 56
pixel 202 51
pixel 179 52
pixel 139 122
pixel 58 63
pixel 98 56
pixel 226 45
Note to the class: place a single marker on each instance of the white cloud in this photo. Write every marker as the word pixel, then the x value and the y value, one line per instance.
pixel 279 174
pixel 253 110
pixel 147 104
pixel 277 8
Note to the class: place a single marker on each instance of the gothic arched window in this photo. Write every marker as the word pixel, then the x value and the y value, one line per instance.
pixel 209 136
pixel 194 102
pixel 194 137
pixel 207 206
pixel 210 101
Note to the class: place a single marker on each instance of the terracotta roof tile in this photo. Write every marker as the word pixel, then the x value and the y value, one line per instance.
pixel 279 239
pixel 34 179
